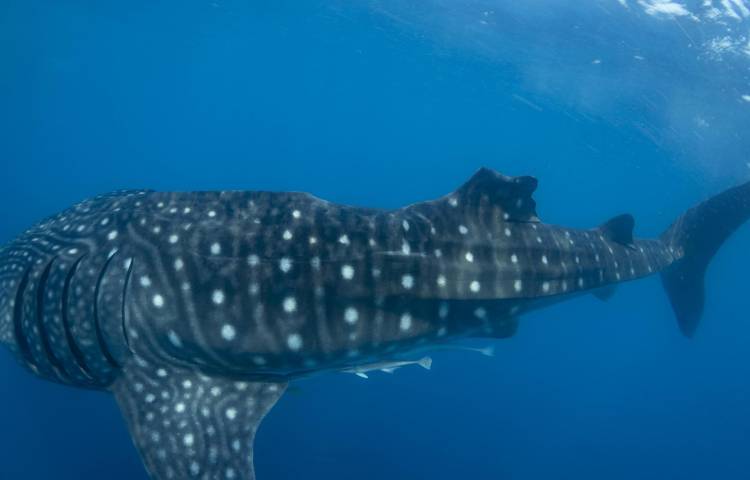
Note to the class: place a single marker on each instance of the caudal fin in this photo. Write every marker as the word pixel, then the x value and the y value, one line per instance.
pixel 696 237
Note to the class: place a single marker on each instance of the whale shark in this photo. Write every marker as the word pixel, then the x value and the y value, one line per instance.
pixel 196 309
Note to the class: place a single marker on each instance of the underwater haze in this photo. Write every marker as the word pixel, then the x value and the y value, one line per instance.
pixel 616 106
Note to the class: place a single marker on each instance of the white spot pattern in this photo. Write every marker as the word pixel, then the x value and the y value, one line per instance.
pixel 228 332
pixel 294 342
pixel 290 305
pixel 347 271
pixel 405 322
pixel 351 315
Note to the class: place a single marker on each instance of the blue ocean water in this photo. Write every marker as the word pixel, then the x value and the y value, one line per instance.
pixel 615 105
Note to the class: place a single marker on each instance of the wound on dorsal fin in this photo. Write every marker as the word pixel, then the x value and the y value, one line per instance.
pixel 487 190
pixel 619 229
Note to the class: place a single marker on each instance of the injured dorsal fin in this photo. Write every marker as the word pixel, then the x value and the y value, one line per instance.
pixel 487 190
pixel 619 229
pixel 188 425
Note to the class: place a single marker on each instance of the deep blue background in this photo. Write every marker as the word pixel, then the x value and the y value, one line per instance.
pixel 360 104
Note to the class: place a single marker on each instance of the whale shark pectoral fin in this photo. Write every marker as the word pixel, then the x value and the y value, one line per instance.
pixel 504 328
pixel 187 425
pixel 605 293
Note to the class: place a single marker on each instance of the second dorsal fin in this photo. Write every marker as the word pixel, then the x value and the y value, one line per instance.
pixel 619 229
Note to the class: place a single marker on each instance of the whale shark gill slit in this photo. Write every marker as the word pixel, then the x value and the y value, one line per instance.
pixel 123 305
pixel 97 320
pixel 75 350
pixel 21 340
pixel 56 364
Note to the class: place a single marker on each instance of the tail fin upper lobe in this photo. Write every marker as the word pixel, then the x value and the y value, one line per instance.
pixel 696 237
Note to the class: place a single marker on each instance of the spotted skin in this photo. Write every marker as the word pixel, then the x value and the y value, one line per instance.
pixel 196 309
pixel 189 425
